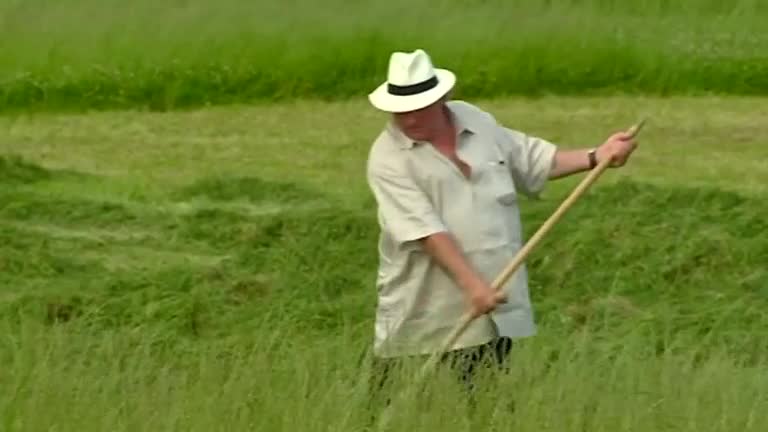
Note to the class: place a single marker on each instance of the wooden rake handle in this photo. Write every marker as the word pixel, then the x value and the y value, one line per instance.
pixel 502 278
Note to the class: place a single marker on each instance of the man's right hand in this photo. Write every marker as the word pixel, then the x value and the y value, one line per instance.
pixel 481 296
pixel 484 299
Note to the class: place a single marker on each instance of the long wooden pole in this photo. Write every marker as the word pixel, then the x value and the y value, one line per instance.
pixel 518 260
pixel 521 256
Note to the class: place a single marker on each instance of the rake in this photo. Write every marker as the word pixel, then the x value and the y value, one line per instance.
pixel 518 260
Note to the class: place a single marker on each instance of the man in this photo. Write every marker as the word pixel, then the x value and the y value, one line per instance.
pixel 447 177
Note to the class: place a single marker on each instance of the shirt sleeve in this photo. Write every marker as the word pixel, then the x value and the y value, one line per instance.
pixel 530 160
pixel 405 211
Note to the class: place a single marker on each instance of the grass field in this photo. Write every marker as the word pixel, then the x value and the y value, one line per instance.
pixel 96 54
pixel 213 270
pixel 212 267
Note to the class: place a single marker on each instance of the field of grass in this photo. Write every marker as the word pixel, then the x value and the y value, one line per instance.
pixel 95 54
pixel 213 270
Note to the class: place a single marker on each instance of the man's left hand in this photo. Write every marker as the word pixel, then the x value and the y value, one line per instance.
pixel 617 147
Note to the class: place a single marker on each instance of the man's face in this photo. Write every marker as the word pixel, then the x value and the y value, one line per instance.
pixel 422 124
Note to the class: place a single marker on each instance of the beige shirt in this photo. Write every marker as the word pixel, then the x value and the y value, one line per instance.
pixel 420 192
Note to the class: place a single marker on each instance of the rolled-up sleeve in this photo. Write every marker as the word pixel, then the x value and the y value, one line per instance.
pixel 530 159
pixel 405 211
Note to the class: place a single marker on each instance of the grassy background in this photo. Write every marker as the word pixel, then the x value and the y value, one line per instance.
pixel 213 270
pixel 94 54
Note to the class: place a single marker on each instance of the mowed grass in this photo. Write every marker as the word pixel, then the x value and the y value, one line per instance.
pixel 92 54
pixel 213 270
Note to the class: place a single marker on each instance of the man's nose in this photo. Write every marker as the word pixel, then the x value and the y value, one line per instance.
pixel 411 121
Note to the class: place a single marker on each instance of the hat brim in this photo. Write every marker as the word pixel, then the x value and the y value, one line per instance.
pixel 381 99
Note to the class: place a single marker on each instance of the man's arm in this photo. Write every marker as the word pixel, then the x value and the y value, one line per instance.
pixel 530 159
pixel 568 162
pixel 407 213
pixel 617 147
pixel 534 160
pixel 445 251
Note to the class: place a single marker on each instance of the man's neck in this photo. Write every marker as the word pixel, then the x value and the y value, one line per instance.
pixel 446 131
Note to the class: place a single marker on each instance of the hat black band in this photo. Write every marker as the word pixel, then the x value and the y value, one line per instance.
pixel 413 88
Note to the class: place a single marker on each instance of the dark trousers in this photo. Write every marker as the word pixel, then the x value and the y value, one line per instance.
pixel 464 362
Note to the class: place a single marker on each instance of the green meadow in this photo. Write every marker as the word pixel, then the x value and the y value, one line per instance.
pixel 211 268
pixel 85 54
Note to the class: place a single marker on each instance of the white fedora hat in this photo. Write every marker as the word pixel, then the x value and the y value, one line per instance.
pixel 412 83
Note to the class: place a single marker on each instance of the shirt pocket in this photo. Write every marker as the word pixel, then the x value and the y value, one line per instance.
pixel 502 197
pixel 502 186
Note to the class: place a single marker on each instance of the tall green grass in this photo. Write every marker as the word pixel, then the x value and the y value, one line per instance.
pixel 84 54
pixel 71 378
pixel 183 286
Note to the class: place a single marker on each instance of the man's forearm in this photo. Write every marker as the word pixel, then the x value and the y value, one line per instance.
pixel 567 162
pixel 443 248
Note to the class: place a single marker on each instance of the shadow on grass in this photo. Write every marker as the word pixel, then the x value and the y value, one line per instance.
pixel 15 170
pixel 252 189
